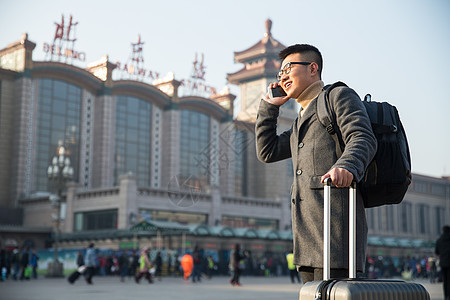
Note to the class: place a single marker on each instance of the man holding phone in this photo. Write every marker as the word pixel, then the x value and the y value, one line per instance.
pixel 315 157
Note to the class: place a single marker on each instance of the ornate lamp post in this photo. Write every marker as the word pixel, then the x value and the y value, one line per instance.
pixel 59 172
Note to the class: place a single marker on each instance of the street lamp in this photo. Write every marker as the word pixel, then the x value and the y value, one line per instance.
pixel 58 172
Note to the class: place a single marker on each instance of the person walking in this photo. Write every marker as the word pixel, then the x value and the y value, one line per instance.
pixel 211 265
pixel 158 265
pixel 144 267
pixel 34 263
pixel 187 263
pixel 89 262
pixel 80 259
pixel 123 266
pixel 292 269
pixel 197 257
pixel 443 251
pixel 236 258
pixel 315 158
pixel 24 262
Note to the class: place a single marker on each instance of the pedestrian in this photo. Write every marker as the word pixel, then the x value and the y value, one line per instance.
pixel 433 269
pixel 144 266
pixel 158 265
pixel 315 158
pixel 24 262
pixel 197 257
pixel 89 262
pixel 123 266
pixel 187 263
pixel 237 265
pixel 15 262
pixel 2 264
pixel 34 263
pixel 443 251
pixel 80 259
pixel 292 269
pixel 134 264
pixel 211 265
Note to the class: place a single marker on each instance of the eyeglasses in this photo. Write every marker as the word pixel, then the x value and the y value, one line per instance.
pixel 287 68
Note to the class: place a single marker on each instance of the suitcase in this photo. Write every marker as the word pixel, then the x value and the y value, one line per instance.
pixel 354 288
pixel 73 277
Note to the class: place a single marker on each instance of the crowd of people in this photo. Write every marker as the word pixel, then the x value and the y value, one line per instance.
pixel 195 265
pixel 19 264
pixel 409 267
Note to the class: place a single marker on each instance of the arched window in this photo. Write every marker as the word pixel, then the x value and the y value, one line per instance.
pixel 133 139
pixel 58 123
pixel 195 149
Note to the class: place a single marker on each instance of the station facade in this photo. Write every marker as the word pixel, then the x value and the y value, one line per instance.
pixel 142 152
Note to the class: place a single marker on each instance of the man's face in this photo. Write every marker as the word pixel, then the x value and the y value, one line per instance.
pixel 299 78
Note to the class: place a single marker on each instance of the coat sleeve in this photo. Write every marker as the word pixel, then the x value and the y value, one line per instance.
pixel 270 147
pixel 356 130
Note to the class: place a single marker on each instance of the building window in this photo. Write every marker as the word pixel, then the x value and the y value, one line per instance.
pixel 405 210
pixel 170 216
pixel 96 220
pixel 390 218
pixel 370 215
pixel 439 217
pixel 133 139
pixel 59 119
pixel 423 213
pixel 420 186
pixel 195 149
pixel 249 222
pixel 240 162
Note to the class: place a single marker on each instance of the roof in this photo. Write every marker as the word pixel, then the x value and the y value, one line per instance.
pixel 159 225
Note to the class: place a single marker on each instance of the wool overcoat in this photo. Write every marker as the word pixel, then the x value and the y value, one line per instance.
pixel 314 152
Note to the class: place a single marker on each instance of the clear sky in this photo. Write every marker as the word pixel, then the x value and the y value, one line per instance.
pixel 397 50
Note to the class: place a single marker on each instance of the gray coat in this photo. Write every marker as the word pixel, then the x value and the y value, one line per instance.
pixel 313 153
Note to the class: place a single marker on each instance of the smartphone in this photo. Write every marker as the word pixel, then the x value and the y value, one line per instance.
pixel 277 92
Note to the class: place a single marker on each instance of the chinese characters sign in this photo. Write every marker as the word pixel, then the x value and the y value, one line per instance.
pixel 63 44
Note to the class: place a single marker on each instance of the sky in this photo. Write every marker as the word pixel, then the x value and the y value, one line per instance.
pixel 396 50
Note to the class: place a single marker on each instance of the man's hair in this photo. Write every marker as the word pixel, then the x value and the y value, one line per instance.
pixel 310 53
pixel 446 229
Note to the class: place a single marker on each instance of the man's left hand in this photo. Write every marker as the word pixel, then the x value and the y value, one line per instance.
pixel 339 176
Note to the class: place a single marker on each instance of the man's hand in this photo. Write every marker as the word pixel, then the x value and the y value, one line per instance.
pixel 276 100
pixel 339 176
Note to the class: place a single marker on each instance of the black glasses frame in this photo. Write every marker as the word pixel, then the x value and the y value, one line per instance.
pixel 287 68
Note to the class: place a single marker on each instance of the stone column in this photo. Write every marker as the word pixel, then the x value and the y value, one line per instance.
pixel 69 221
pixel 127 200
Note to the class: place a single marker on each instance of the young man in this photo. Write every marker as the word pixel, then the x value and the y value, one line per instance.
pixel 315 158
pixel 89 262
pixel 443 251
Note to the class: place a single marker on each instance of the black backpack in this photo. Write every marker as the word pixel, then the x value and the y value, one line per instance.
pixel 388 176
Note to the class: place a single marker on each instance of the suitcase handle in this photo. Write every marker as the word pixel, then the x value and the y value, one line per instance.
pixel 326 230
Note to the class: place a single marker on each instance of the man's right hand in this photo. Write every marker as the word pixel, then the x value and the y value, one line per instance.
pixel 276 100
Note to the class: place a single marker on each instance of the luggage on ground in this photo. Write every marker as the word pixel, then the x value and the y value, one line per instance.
pixel 355 288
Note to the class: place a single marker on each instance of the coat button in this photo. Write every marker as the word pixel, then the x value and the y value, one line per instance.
pixel 293 201
pixel 299 172
pixel 301 145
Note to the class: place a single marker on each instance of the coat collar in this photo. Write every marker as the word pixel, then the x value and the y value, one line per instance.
pixel 307 114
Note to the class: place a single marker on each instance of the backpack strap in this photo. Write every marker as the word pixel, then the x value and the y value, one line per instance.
pixel 327 116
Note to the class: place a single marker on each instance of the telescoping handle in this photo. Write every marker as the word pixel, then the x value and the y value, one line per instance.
pixel 326 230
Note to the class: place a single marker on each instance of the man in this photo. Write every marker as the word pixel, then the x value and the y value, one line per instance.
pixel 315 158
pixel 443 251
pixel 89 262
pixel 292 270
pixel 144 266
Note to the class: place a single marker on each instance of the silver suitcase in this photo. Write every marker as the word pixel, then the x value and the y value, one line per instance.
pixel 355 288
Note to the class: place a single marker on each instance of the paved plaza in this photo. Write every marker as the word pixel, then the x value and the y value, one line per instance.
pixel 111 288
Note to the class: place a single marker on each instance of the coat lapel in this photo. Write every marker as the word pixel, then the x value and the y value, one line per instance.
pixel 309 112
